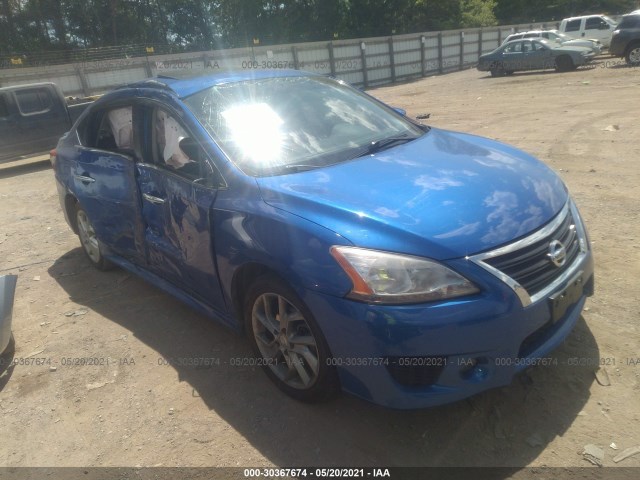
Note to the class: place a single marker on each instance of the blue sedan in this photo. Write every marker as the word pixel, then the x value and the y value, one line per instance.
pixel 357 249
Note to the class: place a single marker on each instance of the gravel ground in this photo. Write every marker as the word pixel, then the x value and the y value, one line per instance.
pixel 133 406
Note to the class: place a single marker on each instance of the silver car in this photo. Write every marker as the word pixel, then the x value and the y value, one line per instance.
pixel 559 37
pixel 537 54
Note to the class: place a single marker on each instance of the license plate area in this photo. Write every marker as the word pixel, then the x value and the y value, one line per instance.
pixel 560 301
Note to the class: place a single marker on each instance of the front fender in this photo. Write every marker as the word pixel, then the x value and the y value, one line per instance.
pixel 253 232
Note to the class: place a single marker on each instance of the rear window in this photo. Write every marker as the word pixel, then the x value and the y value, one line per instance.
pixel 4 108
pixel 573 25
pixel 33 100
pixel 630 22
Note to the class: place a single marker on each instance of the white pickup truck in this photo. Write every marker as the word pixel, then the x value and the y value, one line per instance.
pixel 598 27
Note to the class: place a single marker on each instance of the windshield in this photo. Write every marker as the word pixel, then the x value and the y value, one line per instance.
pixel 277 125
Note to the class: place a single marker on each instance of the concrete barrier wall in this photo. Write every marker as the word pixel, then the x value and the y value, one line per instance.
pixel 364 62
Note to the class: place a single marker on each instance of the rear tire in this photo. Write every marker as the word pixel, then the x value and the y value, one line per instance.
pixel 89 241
pixel 288 342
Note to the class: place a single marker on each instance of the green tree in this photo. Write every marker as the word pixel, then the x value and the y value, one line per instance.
pixel 478 13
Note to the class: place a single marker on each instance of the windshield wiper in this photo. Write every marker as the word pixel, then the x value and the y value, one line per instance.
pixel 301 167
pixel 384 143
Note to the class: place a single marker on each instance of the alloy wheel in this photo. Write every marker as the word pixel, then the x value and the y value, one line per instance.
pixel 88 237
pixel 285 340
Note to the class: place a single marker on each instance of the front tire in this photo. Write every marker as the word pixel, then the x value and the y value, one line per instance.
pixel 287 340
pixel 564 64
pixel 632 56
pixel 497 70
pixel 89 240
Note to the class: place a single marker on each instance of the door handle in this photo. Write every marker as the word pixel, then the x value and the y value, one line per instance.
pixel 152 199
pixel 84 178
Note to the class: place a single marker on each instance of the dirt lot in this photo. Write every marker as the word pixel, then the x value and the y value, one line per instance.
pixel 136 410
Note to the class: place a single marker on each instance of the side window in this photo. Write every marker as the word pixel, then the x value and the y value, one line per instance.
pixel 514 48
pixel 33 100
pixel 531 35
pixel 545 34
pixel 596 23
pixel 526 46
pixel 573 25
pixel 173 148
pixel 120 123
pixel 4 108
pixel 110 130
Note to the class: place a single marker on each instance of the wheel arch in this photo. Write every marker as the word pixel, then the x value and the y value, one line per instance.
pixel 70 202
pixel 242 279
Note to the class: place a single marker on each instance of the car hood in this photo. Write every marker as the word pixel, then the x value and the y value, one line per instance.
pixel 445 195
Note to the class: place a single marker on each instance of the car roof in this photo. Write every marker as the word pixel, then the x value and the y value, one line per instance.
pixel 536 39
pixel 186 87
pixel 532 31
pixel 584 16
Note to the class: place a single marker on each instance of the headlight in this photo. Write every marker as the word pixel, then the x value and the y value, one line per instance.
pixel 382 277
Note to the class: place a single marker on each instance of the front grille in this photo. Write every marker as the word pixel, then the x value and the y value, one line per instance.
pixel 531 266
pixel 416 371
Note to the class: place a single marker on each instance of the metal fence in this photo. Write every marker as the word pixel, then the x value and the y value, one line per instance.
pixel 365 62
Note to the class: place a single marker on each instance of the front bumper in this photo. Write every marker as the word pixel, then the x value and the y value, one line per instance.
pixel 415 356
pixel 462 347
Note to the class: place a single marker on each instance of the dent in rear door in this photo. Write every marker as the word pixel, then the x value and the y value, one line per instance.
pixel 104 183
pixel 103 179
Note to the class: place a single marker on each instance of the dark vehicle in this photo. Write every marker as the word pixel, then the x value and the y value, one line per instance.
pixel 538 54
pixel 32 119
pixel 357 249
pixel 625 41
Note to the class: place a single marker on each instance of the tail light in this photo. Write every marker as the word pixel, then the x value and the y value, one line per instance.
pixel 53 157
